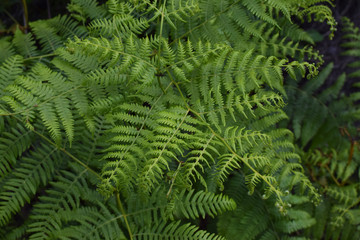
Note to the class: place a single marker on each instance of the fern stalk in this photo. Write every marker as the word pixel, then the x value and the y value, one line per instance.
pixel 121 208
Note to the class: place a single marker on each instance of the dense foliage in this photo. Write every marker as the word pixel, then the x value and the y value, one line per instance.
pixel 178 119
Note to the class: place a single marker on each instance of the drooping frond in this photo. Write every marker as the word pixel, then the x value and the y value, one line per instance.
pixel 319 12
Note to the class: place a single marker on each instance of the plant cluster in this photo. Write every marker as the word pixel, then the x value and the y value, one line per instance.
pixel 150 119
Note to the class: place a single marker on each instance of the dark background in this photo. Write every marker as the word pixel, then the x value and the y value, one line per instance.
pixel 331 49
pixel 38 9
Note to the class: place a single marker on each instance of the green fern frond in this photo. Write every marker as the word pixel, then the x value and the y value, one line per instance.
pixel 258 10
pixel 90 223
pixel 318 12
pixel 226 164
pixel 193 205
pixel 118 7
pixel 214 83
pixel 123 168
pixel 174 231
pixel 228 19
pixel 295 33
pixel 279 6
pixel 280 44
pixel 7 49
pixel 203 153
pixel 13 143
pixel 190 204
pixel 78 59
pixel 44 91
pixel 153 209
pixel 33 171
pixel 9 71
pixel 126 54
pixel 67 28
pixel 299 220
pixel 82 10
pixel 47 36
pixel 14 233
pixel 174 130
pixel 62 203
pixel 334 219
pixel 121 25
pixel 347 195
pixel 182 10
pixel 137 114
pixel 25 44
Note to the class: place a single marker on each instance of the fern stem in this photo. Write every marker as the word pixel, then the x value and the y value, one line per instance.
pixel 332 175
pixel 159 50
pixel 41 56
pixel 48 8
pixel 121 208
pixel 173 180
pixel 11 17
pixel 161 24
pixel 26 15
pixel 160 85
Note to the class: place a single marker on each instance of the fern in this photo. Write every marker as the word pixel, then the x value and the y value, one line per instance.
pixel 145 120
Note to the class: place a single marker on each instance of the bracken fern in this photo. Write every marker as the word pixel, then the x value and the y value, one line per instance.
pixel 143 119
